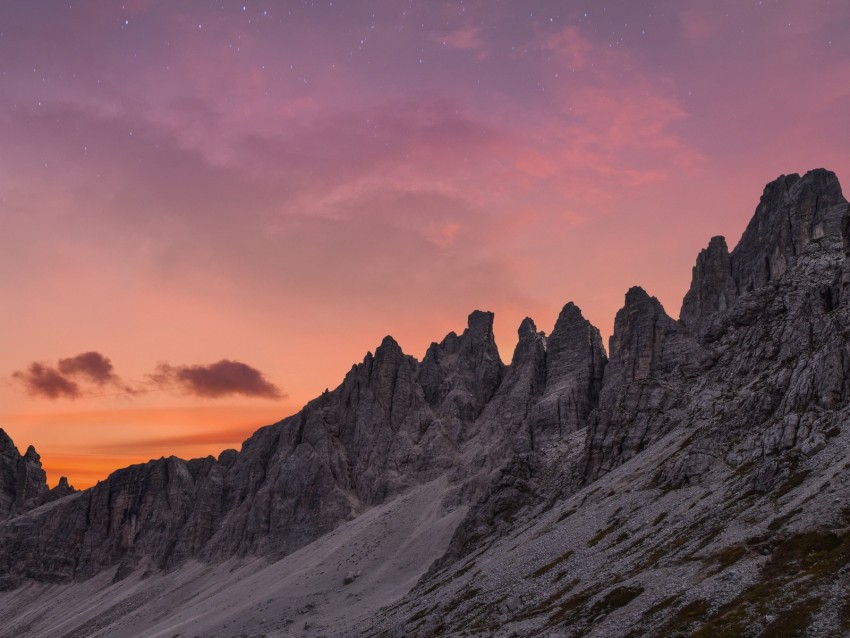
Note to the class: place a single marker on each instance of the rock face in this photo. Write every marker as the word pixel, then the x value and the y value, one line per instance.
pixel 793 211
pixel 22 481
pixel 720 415
pixel 393 423
pixel 713 288
pixel 651 355
pixel 575 363
pixel 718 440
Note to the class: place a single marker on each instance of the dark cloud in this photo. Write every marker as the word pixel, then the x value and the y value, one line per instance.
pixel 215 380
pixel 46 381
pixel 73 377
pixel 86 375
pixel 91 365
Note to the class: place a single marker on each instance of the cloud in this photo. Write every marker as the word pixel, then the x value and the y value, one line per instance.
pixel 72 377
pixel 91 365
pixel 46 381
pixel 215 380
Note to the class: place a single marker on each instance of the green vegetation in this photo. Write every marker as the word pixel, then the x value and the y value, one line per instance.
pixel 793 482
pixel 575 610
pixel 616 598
pixel 778 522
pixel 793 622
pixel 660 606
pixel 550 565
pixel 798 564
pixel 685 617
pixel 546 605
pixel 603 533
pixel 727 557
pixel 565 515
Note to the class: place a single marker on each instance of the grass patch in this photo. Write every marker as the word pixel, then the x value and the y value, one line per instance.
pixel 744 468
pixel 778 522
pixel 615 599
pixel 798 564
pixel 537 573
pixel 601 534
pixel 793 482
pixel 660 606
pixel 565 515
pixel 546 605
pixel 793 622
pixel 571 608
pixel 685 616
pixel 727 557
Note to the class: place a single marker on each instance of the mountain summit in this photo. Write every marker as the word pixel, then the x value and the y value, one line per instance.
pixel 690 481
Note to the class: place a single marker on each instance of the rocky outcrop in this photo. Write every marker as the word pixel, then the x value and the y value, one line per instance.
pixel 652 357
pixel 710 497
pixel 22 480
pixel 793 211
pixel 575 363
pixel 461 374
pixel 712 287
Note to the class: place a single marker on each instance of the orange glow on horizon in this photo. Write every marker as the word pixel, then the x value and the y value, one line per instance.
pixel 87 446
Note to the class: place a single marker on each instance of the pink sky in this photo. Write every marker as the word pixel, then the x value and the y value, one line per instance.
pixel 282 184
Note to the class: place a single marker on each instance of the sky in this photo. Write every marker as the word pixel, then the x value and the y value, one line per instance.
pixel 210 210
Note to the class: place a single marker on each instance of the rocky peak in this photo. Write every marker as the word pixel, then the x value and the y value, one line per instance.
pixel 7 446
pixel 31 456
pixel 640 329
pixel 467 368
pixel 531 344
pixel 712 287
pixel 793 212
pixel 575 364
pixel 22 480
pixel 387 365
pixel 574 344
pixel 643 379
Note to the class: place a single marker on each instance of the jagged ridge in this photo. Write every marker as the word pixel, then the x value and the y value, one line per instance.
pixel 753 375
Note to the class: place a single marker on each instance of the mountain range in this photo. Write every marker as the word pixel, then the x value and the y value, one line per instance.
pixel 689 480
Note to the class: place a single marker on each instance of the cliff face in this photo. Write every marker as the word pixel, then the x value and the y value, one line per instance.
pixel 740 396
pixel 763 312
pixel 710 495
pixel 393 423
pixel 23 483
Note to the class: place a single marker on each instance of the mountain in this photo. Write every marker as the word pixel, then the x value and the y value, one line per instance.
pixel 691 481
pixel 23 483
